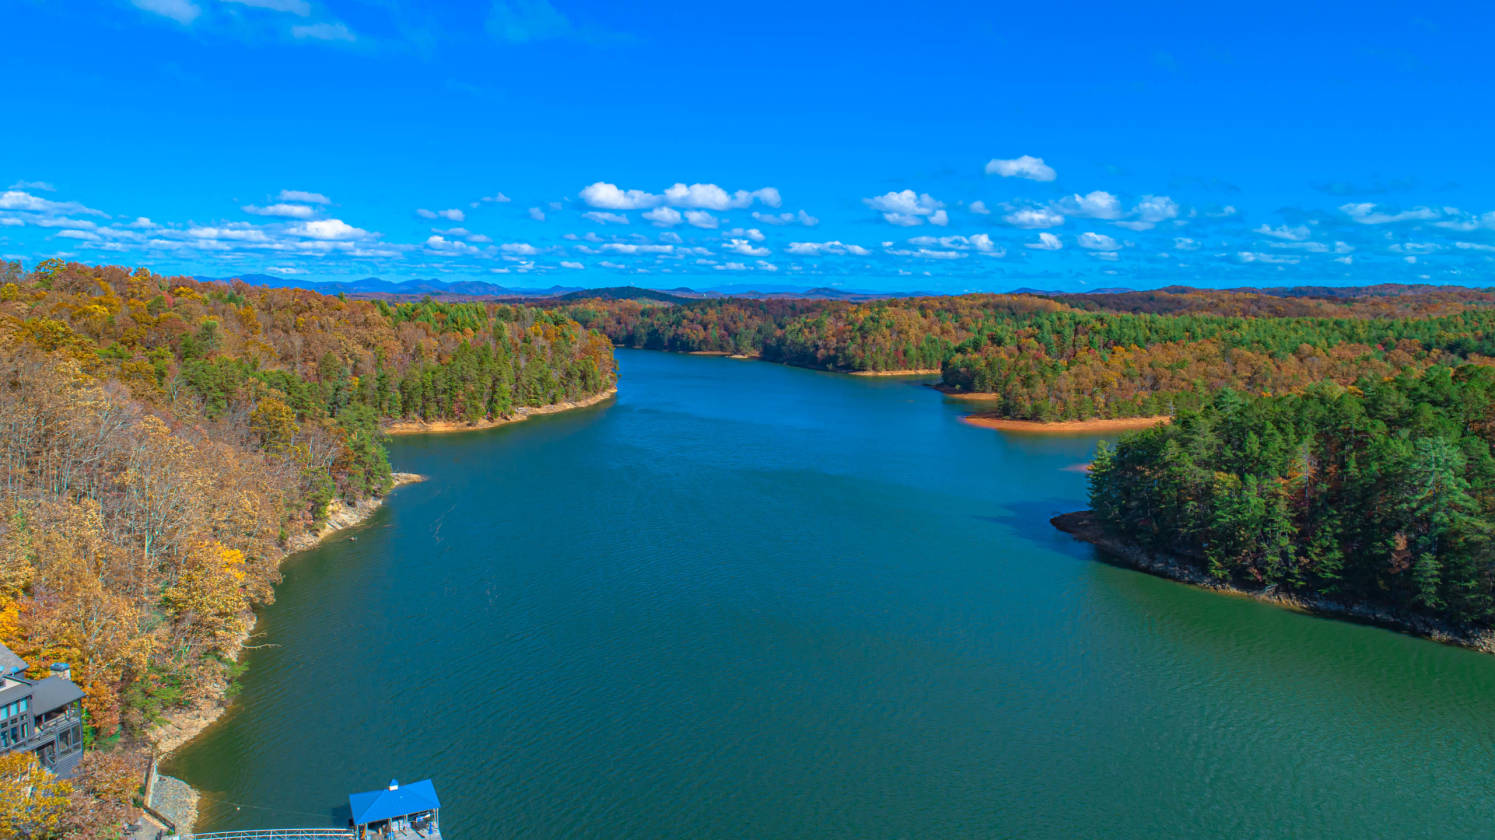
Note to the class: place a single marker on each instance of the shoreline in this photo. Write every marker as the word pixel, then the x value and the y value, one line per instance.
pixel 725 354
pixel 440 427
pixel 974 396
pixel 182 725
pixel 904 372
pixel 1083 526
pixel 1095 426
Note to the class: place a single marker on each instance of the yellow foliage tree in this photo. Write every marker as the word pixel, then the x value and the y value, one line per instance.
pixel 275 423
pixel 209 594
pixel 33 802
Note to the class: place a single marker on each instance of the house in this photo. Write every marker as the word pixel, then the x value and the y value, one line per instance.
pixel 42 716
pixel 397 813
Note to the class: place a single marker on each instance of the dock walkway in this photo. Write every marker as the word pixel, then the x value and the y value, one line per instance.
pixel 274 834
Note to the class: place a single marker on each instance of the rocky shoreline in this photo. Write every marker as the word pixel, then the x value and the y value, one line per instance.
pixel 1083 525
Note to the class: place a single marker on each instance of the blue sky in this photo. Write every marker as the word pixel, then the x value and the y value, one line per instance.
pixel 939 146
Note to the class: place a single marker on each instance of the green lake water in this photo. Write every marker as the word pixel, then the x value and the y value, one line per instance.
pixel 745 600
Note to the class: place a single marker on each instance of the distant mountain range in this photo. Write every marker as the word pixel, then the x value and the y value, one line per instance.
pixel 470 289
pixel 378 287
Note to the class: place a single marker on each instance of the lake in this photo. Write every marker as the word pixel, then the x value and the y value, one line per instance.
pixel 746 600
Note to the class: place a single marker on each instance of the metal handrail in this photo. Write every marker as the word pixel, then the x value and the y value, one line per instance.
pixel 63 719
pixel 274 834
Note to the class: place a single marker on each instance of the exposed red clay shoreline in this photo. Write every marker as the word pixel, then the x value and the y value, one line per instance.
pixel 422 427
pixel 904 372
pixel 965 395
pixel 1066 427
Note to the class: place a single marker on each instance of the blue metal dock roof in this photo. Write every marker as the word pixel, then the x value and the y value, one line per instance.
pixel 396 801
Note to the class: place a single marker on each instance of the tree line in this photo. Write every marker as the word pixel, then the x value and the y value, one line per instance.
pixel 1082 356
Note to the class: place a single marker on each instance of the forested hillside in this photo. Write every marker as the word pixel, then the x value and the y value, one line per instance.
pixel 1381 493
pixel 161 441
pixel 1083 356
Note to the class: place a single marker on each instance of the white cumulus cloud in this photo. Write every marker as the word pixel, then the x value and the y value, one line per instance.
pixel 604 218
pixel 283 210
pixel 1098 242
pixel 700 218
pixel 452 215
pixel 1291 234
pixel 907 208
pixel 1367 213
pixel 609 197
pixel 811 249
pixel 745 248
pixel 1033 217
pixel 25 201
pixel 664 216
pixel 447 247
pixel 785 218
pixel 1097 204
pixel 606 196
pixel 1151 210
pixel 1046 242
pixel 1027 166
pixel 712 197
pixel 303 197
pixel 328 229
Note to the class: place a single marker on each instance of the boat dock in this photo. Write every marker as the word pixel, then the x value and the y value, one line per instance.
pixel 409 812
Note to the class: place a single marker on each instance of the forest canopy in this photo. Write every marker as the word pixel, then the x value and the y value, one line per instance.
pixel 1380 493
pixel 163 442
pixel 1067 357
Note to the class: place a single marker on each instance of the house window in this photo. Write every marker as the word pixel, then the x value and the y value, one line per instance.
pixel 23 703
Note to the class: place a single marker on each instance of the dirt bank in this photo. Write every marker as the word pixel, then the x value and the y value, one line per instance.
pixel 1066 427
pixel 905 372
pixel 422 427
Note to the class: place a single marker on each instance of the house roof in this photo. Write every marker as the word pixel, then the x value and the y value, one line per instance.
pixel 53 693
pixel 9 661
pixel 397 801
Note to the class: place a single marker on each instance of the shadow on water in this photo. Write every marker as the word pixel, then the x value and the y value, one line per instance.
pixel 1030 520
pixel 343 815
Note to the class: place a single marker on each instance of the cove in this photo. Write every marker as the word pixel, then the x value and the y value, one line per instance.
pixel 746 600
